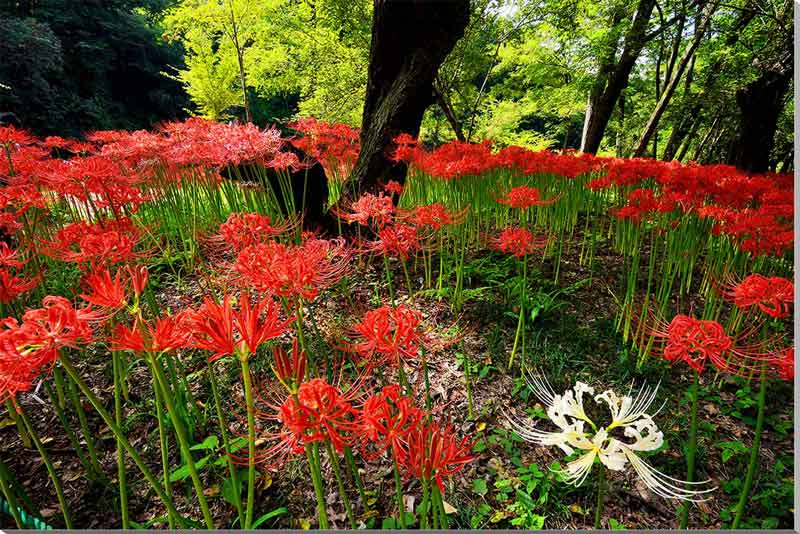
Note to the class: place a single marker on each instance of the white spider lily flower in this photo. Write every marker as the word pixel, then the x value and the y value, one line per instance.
pixel 629 413
pixel 571 402
pixel 628 409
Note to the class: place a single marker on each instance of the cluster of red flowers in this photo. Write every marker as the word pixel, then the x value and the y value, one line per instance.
pixel 336 146
pixel 12 283
pixel 524 197
pixel 698 342
pixel 293 270
pixel 242 230
pixel 773 295
pixel 388 336
pixel 95 244
pixel 371 210
pixel 387 421
pixel 428 450
pixel 434 216
pixel 29 347
pixel 519 242
pixel 397 239
pixel 224 331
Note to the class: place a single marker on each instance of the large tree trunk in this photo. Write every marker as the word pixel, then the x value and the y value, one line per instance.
pixel 610 85
pixel 669 90
pixel 760 103
pixel 410 40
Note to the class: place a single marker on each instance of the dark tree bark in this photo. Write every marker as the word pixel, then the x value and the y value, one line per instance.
pixel 410 40
pixel 613 78
pixel 760 103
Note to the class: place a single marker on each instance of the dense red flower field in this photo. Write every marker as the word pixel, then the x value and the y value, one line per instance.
pixel 190 342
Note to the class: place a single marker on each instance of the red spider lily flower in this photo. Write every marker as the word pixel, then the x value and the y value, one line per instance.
pixel 290 370
pixel 370 210
pixel 396 240
pixel 106 292
pixel 138 276
pixel 523 197
pixel 773 295
pixel 386 419
pixel 433 452
pixel 300 271
pixel 695 341
pixel 95 244
pixel 319 412
pixel 20 363
pixel 225 331
pixel 434 216
pixel 393 187
pixel 258 324
pixel 168 333
pixel 126 338
pixel 9 222
pixel 388 335
pixel 213 328
pixel 336 146
pixel 12 286
pixel 242 230
pixel 57 324
pixel 519 242
pixel 699 342
pixel 784 363
pixel 11 136
pixel 8 256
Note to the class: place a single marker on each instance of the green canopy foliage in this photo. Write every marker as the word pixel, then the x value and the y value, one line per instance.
pixel 70 66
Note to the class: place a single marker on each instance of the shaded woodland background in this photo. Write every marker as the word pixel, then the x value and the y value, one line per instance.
pixel 698 80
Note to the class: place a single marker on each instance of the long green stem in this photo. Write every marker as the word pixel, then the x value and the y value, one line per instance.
pixel 351 464
pixel 521 320
pixel 62 417
pixel 8 493
pixel 751 467
pixel 389 278
pixel 423 507
pixel 316 479
pixel 163 442
pixel 223 430
pixel 601 489
pixel 115 429
pixel 439 506
pixel 692 446
pixel 340 482
pixel 23 436
pixel 84 424
pixel 398 491
pixel 408 279
pixel 51 470
pixel 121 474
pixel 251 441
pixel 183 441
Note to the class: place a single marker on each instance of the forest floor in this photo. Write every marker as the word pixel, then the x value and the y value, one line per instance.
pixel 575 341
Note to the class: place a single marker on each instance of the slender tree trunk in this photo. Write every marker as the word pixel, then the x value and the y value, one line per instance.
pixel 609 87
pixel 700 146
pixel 240 61
pixel 621 130
pixel 449 114
pixel 410 40
pixel 688 140
pixel 669 90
